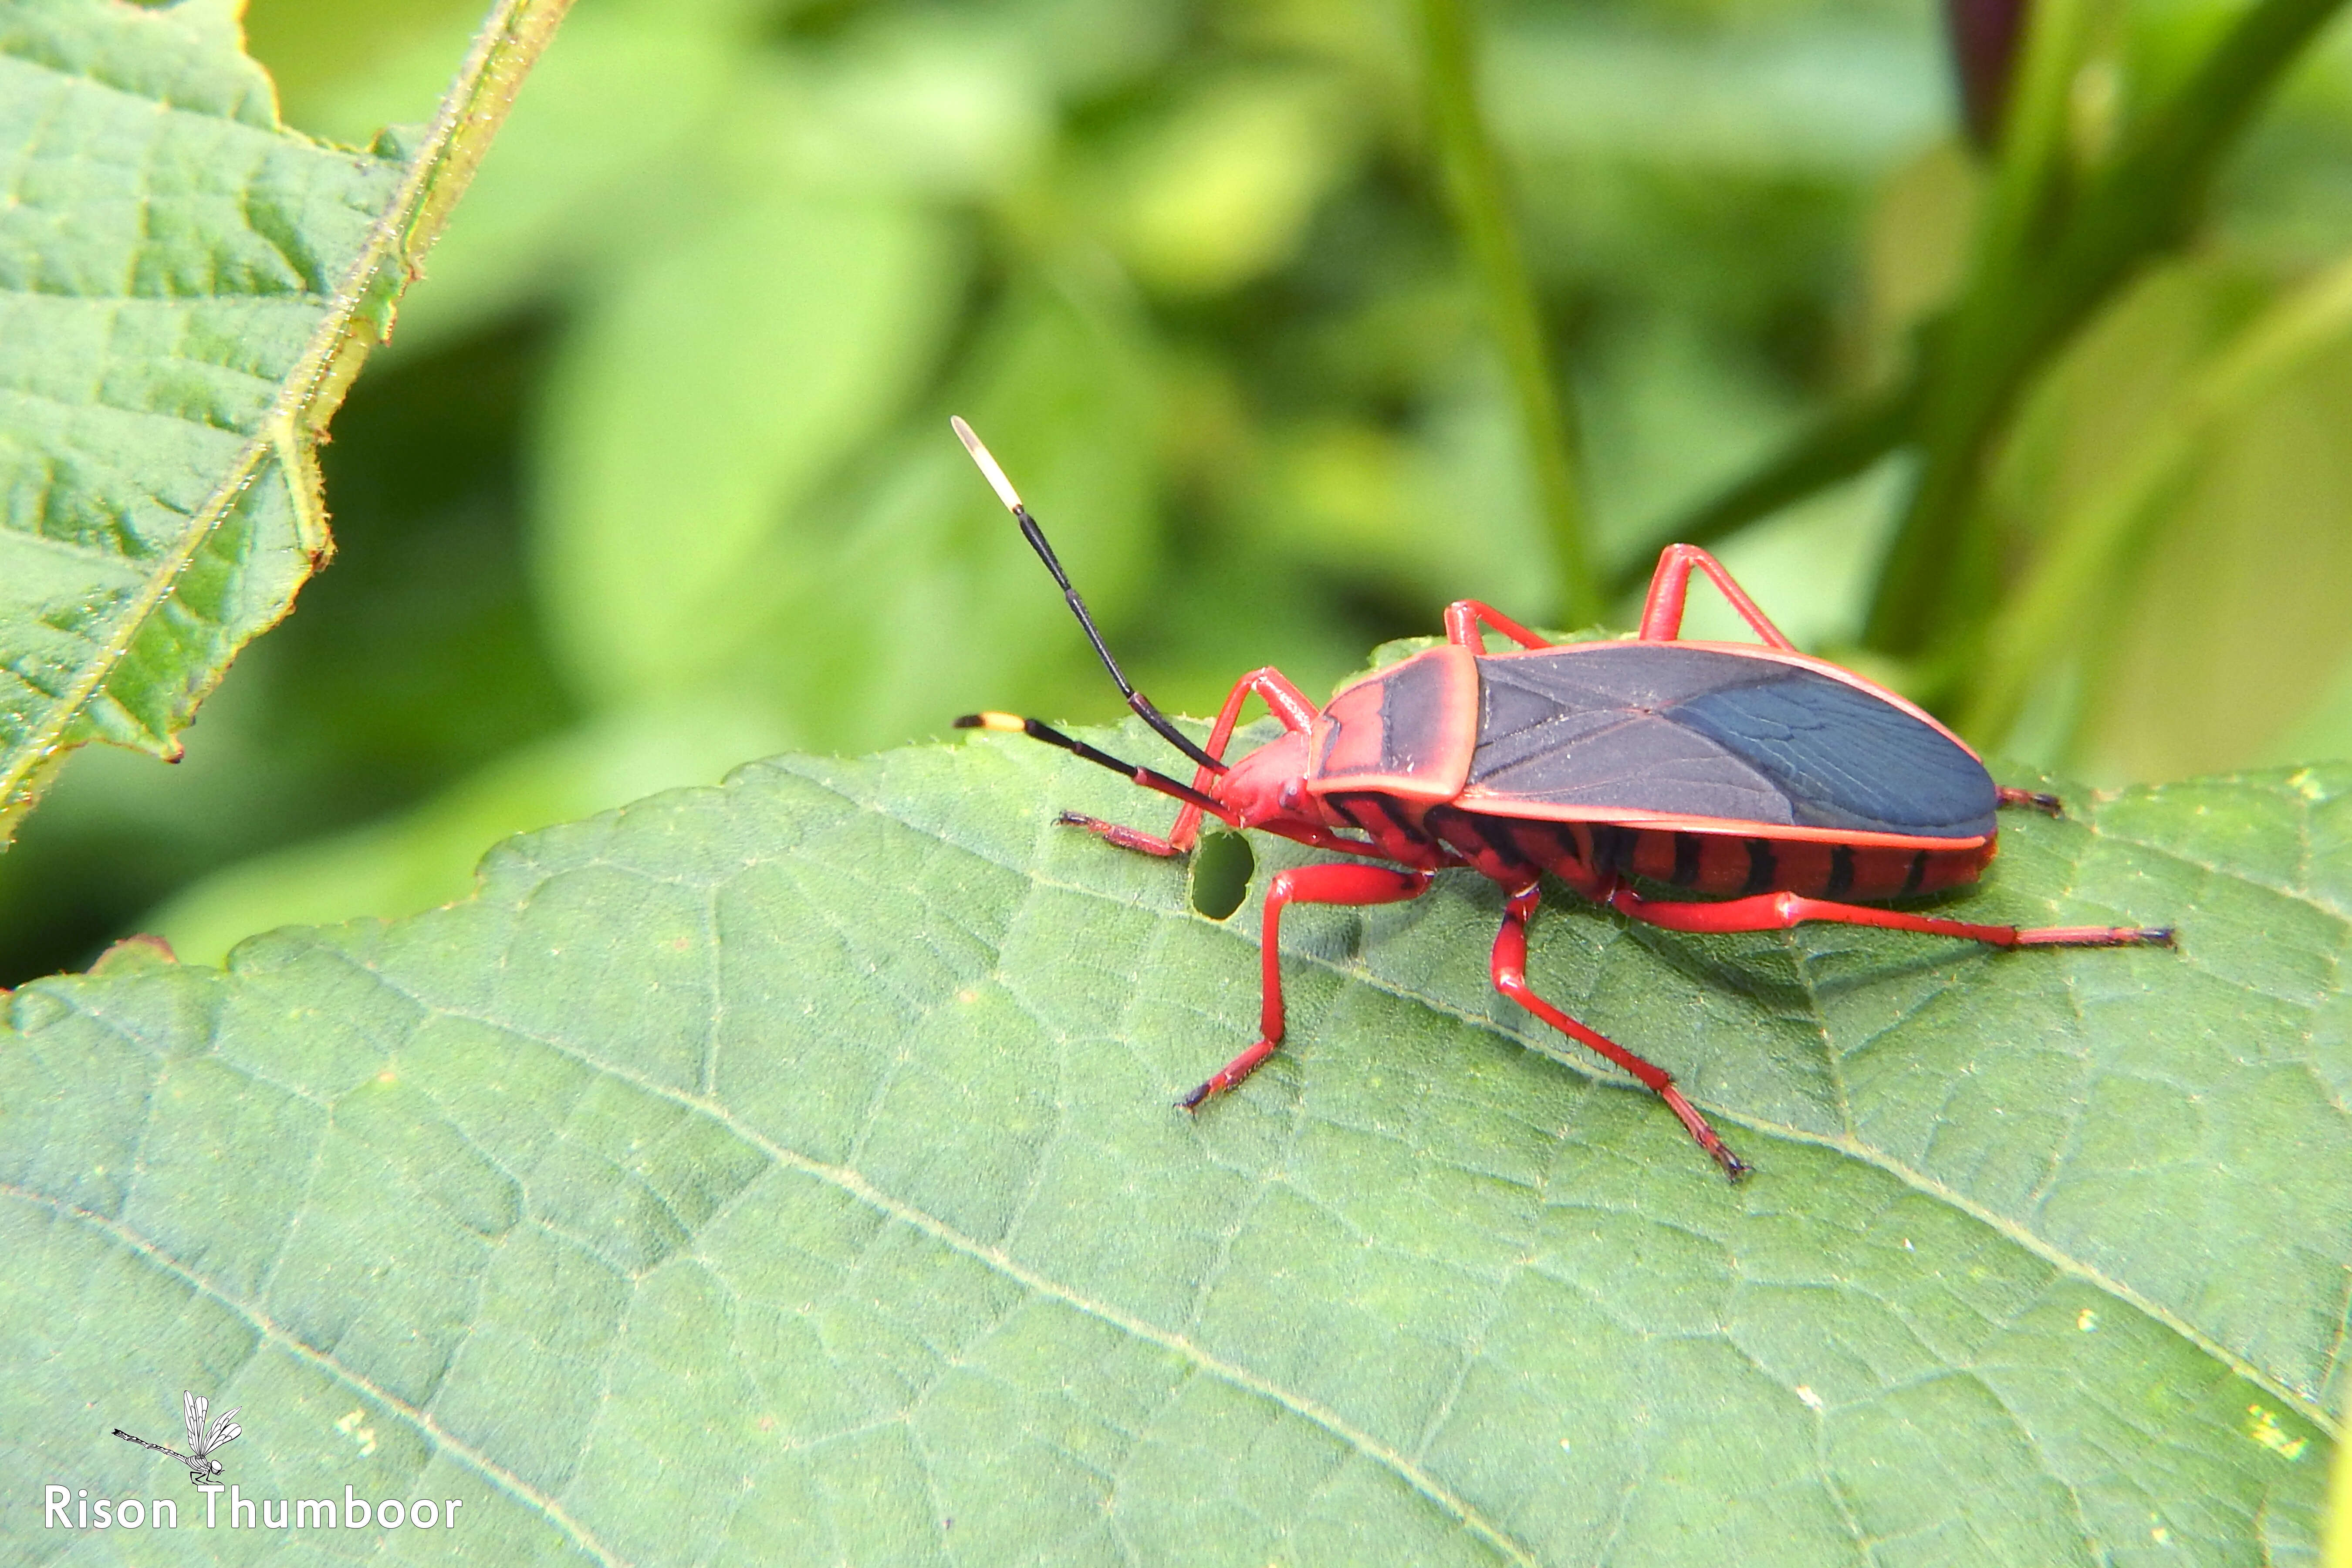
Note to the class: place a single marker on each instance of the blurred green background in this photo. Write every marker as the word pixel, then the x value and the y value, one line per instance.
pixel 655 477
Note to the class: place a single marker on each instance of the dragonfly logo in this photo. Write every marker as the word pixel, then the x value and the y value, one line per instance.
pixel 69 1508
pixel 202 1439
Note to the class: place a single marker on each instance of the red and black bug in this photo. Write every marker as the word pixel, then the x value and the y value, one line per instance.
pixel 1781 785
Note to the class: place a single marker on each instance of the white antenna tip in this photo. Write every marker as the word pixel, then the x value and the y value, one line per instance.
pixel 988 469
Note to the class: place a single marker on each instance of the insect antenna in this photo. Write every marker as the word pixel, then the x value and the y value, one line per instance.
pixel 1038 730
pixel 1037 538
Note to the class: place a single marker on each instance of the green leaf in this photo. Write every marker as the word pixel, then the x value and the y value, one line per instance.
pixel 588 163
pixel 190 288
pixel 1820 96
pixel 1221 192
pixel 428 857
pixel 2190 429
pixel 712 393
pixel 787 1171
pixel 1059 381
pixel 2039 281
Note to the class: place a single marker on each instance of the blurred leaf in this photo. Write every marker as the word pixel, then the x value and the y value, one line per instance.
pixel 191 289
pixel 1916 251
pixel 941 104
pixel 2236 618
pixel 793 1162
pixel 1841 99
pixel 1355 503
pixel 1489 229
pixel 1221 191
pixel 1673 418
pixel 2181 479
pixel 310 48
pixel 889 607
pixel 2113 387
pixel 2050 259
pixel 1377 45
pixel 711 393
pixel 1811 564
pixel 586 166
pixel 2324 733
pixel 1082 49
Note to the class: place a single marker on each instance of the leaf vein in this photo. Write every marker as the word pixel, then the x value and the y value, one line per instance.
pixel 277 1334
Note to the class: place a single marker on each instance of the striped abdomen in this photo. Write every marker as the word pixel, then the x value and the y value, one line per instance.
pixel 1512 850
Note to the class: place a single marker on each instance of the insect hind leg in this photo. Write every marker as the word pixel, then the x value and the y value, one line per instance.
pixel 1782 911
pixel 2048 805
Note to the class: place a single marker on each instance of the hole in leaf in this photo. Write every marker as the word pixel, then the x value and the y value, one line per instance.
pixel 1223 864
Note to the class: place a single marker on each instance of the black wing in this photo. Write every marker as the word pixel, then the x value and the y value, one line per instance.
pixel 1658 727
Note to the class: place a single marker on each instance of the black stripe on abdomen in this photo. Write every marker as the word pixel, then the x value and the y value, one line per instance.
pixel 1405 829
pixel 1612 848
pixel 1840 880
pixel 1760 867
pixel 1497 834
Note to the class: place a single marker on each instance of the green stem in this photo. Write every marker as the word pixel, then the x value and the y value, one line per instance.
pixel 2090 544
pixel 1978 360
pixel 1844 443
pixel 1474 179
pixel 2030 296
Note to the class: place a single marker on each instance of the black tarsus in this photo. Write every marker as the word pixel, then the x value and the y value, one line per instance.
pixel 2048 805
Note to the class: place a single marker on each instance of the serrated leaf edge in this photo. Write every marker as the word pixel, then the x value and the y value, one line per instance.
pixel 470 113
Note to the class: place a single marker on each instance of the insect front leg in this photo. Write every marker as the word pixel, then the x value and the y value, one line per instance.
pixel 1510 976
pixel 1779 911
pixel 1662 612
pixel 1287 703
pixel 1303 885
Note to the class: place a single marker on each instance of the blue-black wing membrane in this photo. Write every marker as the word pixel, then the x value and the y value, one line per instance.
pixel 1601 728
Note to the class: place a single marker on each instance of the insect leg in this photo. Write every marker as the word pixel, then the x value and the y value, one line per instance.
pixel 1303 885
pixel 1662 612
pixel 1510 973
pixel 2048 805
pixel 1463 617
pixel 1288 704
pixel 1778 912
